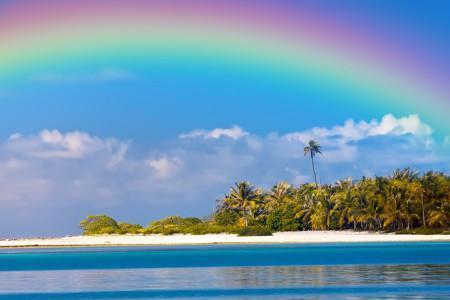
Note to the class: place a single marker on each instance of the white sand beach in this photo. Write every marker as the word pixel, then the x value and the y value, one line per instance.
pixel 179 239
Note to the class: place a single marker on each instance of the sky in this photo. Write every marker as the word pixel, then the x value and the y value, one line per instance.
pixel 141 110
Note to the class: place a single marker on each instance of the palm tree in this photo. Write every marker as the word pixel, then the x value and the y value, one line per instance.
pixel 306 200
pixel 404 200
pixel 439 218
pixel 312 149
pixel 244 199
pixel 322 216
pixel 371 209
pixel 279 195
pixel 393 192
pixel 345 206
pixel 417 193
pixel 436 192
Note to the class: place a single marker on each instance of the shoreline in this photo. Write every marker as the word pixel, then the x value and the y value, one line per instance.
pixel 298 237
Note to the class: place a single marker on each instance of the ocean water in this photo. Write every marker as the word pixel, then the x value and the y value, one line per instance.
pixel 313 271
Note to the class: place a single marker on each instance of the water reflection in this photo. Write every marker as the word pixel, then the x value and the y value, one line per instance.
pixel 225 278
pixel 292 276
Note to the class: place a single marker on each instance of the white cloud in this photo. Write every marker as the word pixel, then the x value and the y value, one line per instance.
pixel 234 133
pixel 351 131
pixel 119 155
pixel 71 145
pixel 297 177
pixel 50 144
pixel 389 125
pixel 15 136
pixel 339 139
pixel 106 74
pixel 164 167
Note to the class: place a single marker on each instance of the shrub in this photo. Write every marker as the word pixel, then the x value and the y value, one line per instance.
pixel 129 228
pixel 283 220
pixel 226 218
pixel 191 221
pixel 160 229
pixel 176 220
pixel 100 224
pixel 275 220
pixel 172 220
pixel 254 231
pixel 206 228
pixel 174 224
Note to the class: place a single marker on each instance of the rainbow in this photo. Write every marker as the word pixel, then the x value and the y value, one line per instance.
pixel 301 43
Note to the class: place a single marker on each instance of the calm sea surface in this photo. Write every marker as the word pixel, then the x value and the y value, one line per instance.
pixel 332 271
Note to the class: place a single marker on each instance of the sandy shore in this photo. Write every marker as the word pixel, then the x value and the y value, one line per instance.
pixel 281 237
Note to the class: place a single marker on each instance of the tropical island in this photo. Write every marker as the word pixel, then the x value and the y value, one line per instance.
pixel 406 202
pixel 403 203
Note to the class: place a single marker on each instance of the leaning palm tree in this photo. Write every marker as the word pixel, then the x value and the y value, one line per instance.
pixel 312 149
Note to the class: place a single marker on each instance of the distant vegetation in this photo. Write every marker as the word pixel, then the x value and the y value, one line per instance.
pixel 404 202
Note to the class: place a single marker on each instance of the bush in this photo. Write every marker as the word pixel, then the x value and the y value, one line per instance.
pixel 206 228
pixel 191 221
pixel 176 221
pixel 175 224
pixel 283 220
pixel 172 220
pixel 100 224
pixel 160 229
pixel 129 228
pixel 254 231
pixel 186 226
pixel 226 218
pixel 275 220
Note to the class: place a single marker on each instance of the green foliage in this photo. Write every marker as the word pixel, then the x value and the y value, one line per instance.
pixel 254 231
pixel 275 220
pixel 176 224
pixel 244 200
pixel 405 202
pixel 100 224
pixel 125 228
pixel 169 221
pixel 191 221
pixel 284 219
pixel 226 218
pixel 210 228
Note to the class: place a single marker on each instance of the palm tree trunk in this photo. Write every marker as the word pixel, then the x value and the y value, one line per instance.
pixel 424 223
pixel 314 169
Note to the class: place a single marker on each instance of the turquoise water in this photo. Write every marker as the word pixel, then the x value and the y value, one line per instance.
pixel 335 271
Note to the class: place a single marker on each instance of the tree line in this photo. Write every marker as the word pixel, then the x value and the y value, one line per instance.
pixel 403 201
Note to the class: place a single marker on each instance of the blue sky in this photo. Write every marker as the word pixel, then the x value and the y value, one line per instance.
pixel 144 140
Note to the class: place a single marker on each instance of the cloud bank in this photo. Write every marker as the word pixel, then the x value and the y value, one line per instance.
pixel 234 133
pixel 51 180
